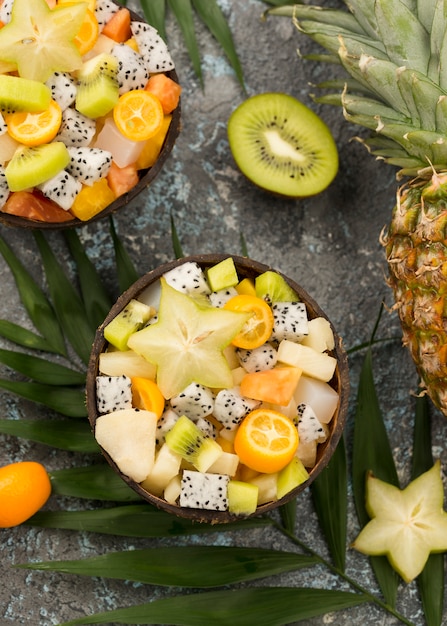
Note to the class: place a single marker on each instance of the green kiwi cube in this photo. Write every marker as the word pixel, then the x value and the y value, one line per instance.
pixel 242 497
pixel 22 94
pixel 272 287
pixel 293 475
pixel 132 318
pixel 186 439
pixel 98 88
pixel 223 275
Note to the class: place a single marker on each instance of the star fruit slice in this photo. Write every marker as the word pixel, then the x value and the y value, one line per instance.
pixel 187 342
pixel 406 525
pixel 39 40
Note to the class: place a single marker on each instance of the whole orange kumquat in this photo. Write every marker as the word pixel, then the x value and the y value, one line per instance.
pixel 24 488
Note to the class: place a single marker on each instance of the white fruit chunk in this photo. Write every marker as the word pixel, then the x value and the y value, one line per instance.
pixel 227 463
pixel 173 489
pixel 320 336
pixel 312 363
pixel 128 436
pixel 267 487
pixel 319 395
pixel 166 466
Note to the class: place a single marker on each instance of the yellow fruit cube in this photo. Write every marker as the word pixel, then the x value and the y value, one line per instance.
pixel 92 200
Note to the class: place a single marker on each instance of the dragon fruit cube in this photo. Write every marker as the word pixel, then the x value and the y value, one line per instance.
pixel 204 491
pixel 113 393
pixel 289 321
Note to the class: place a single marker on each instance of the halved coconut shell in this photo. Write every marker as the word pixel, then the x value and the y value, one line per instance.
pixel 246 268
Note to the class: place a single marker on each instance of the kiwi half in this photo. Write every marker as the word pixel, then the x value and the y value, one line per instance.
pixel 282 146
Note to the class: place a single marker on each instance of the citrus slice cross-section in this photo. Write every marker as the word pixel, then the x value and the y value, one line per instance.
pixel 138 115
pixel 33 129
pixel 266 440
pixel 258 327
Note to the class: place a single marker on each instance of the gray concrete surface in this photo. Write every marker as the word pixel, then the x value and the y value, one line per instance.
pixel 330 244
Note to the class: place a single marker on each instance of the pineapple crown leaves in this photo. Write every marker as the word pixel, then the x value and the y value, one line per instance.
pixel 129 518
pixel 393 52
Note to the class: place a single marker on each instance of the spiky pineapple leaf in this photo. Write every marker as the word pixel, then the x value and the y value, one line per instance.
pixel 96 300
pixel 37 305
pixel 184 566
pixel 263 606
pixel 136 520
pixel 64 400
pixel 41 370
pixel 67 303
pixel 71 435
pixel 330 499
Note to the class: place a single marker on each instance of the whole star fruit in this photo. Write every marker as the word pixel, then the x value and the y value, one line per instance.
pixel 407 525
pixel 39 41
pixel 187 342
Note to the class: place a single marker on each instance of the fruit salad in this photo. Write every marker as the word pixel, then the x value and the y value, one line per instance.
pixel 215 391
pixel 88 95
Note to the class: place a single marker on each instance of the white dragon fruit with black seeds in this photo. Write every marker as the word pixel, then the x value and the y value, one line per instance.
pixel 195 401
pixel 164 425
pixel 220 298
pixel 104 9
pixel 132 72
pixel 204 491
pixel 5 11
pixel 63 89
pixel 188 278
pixel 4 189
pixel 61 189
pixel 3 125
pixel 207 428
pixel 309 427
pixel 289 321
pixel 262 358
pixel 87 165
pixel 113 393
pixel 151 46
pixel 230 407
pixel 76 129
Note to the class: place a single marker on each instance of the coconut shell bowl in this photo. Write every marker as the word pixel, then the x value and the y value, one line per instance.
pixel 147 290
pixel 38 206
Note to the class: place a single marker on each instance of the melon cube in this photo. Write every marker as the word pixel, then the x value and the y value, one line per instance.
pixel 267 487
pixel 320 336
pixel 166 466
pixel 242 497
pixel 307 452
pixel 319 395
pixel 293 475
pixel 227 463
pixel 222 275
pixel 125 363
pixel 319 365
pixel 173 489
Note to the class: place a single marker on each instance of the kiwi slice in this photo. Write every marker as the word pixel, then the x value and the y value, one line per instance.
pixel 282 146
pixel 98 88
pixel 186 439
pixel 132 318
pixel 21 94
pixel 30 167
pixel 272 287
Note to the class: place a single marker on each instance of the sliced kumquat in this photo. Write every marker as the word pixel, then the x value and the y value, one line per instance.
pixel 34 129
pixel 258 328
pixel 146 395
pixel 88 33
pixel 266 441
pixel 138 115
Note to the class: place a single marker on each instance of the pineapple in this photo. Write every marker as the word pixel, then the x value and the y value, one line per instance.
pixel 393 54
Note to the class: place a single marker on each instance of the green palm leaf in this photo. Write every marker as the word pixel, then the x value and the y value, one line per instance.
pixel 41 370
pixel 67 303
pixel 136 520
pixel 72 435
pixel 94 295
pixel 265 606
pixel 69 402
pixel 37 305
pixel 25 338
pixel 184 566
pixel 126 272
pixel 94 482
pixel 182 10
pixel 155 13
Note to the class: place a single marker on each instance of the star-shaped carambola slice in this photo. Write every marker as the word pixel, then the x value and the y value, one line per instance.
pixel 187 342
pixel 406 525
pixel 39 41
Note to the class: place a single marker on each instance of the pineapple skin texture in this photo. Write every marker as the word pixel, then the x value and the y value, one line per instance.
pixel 416 251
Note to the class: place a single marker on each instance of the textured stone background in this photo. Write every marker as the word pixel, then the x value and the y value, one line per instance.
pixel 329 244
